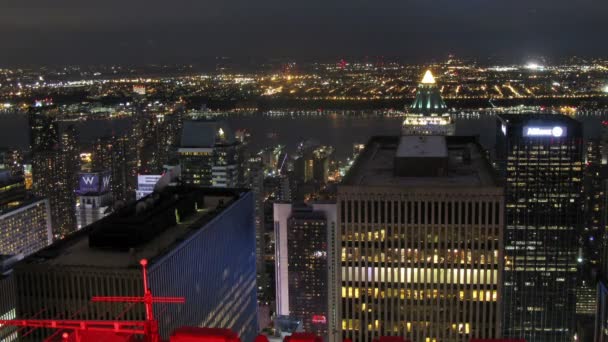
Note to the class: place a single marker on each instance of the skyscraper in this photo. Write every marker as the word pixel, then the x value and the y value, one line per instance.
pixel 55 162
pixel 540 159
pixel 301 235
pixel 209 154
pixel 428 113
pixel 255 182
pixel 200 244
pixel 117 154
pixel 419 242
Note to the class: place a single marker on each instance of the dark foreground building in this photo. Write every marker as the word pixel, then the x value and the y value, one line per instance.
pixel 540 157
pixel 200 244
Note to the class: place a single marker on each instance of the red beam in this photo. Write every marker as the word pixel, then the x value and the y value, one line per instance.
pixel 131 327
pixel 180 300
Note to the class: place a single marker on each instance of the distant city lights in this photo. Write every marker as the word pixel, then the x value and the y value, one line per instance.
pixel 534 66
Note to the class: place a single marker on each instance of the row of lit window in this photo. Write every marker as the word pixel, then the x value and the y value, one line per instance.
pixel 440 234
pixel 416 256
pixel 475 295
pixel 354 324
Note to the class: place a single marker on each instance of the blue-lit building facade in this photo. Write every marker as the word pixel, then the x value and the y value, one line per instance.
pixel 216 272
pixel 200 244
pixel 540 160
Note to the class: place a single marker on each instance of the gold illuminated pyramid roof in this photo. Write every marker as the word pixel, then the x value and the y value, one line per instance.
pixel 428 78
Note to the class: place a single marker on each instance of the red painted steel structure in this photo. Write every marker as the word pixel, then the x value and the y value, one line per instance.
pixel 391 339
pixel 302 337
pixel 148 328
pixel 191 334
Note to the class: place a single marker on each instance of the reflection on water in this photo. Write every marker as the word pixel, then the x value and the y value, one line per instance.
pixel 269 129
pixel 344 131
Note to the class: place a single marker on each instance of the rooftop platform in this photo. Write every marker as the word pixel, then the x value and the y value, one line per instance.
pixel 422 146
pixel 148 228
pixel 463 160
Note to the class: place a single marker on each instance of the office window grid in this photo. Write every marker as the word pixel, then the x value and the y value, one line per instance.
pixel 543 214
pixel 421 266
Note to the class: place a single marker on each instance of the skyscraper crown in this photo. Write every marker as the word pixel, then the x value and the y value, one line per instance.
pixel 428 97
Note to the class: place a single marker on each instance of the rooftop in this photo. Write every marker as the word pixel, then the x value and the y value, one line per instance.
pixel 206 133
pixel 148 228
pixel 518 119
pixel 467 165
pixel 422 146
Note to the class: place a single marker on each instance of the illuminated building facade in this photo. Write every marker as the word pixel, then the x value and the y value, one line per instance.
pixel 12 160
pixel 200 244
pixel 117 154
pixel 24 220
pixel 312 163
pixel 255 182
pixel 209 154
pixel 301 267
pixel 420 242
pixel 428 114
pixel 540 159
pixel 55 163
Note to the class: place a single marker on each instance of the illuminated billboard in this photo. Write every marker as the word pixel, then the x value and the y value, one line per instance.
pixel 93 182
pixel 545 131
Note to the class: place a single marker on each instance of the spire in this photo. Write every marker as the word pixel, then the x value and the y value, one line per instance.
pixel 428 78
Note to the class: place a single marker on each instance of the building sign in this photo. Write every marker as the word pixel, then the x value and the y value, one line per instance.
pixel 93 182
pixel 551 131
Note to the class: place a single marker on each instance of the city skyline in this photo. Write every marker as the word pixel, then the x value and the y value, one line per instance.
pixel 312 171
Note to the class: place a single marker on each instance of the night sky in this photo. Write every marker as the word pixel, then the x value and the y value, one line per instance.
pixel 189 31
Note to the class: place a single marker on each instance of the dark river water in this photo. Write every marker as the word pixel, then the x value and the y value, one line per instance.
pixel 339 131
pixel 342 132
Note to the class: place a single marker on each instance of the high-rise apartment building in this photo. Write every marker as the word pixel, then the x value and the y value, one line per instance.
pixel 25 223
pixel 301 262
pixel 419 242
pixel 199 243
pixel 255 182
pixel 540 159
pixel 55 163
pixel 209 154
pixel 117 154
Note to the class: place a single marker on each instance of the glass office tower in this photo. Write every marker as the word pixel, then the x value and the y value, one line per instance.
pixel 540 159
